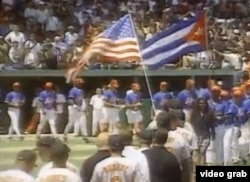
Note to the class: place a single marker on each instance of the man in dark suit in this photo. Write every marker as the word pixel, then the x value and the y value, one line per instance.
pixel 103 152
pixel 163 165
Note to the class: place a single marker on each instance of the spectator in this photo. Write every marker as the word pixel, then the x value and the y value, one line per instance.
pixel 103 152
pixel 70 36
pixel 15 53
pixel 15 36
pixel 3 52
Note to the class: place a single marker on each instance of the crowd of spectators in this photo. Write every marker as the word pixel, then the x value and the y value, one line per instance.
pixel 53 34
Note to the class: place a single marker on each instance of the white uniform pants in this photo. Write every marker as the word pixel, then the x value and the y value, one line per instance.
pixel 79 117
pixel 14 115
pixel 244 141
pixel 97 117
pixel 227 142
pixel 76 129
pixel 219 143
pixel 112 117
pixel 133 116
pixel 235 144
pixel 47 116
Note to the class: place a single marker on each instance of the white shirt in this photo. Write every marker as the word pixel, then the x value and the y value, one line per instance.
pixel 35 104
pixel 70 38
pixel 52 24
pixel 58 174
pixel 29 13
pixel 188 127
pixel 129 92
pixel 97 102
pixel 31 58
pixel 60 100
pixel 233 60
pixel 187 135
pixel 178 146
pixel 143 149
pixel 47 167
pixel 15 175
pixel 15 54
pixel 42 16
pixel 117 169
pixel 137 156
pixel 12 37
pixel 34 46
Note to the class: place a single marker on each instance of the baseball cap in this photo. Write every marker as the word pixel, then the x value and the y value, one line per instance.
pixel 116 142
pixel 47 141
pixel 146 135
pixel 26 156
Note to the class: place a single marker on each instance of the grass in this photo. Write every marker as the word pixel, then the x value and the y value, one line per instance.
pixel 9 149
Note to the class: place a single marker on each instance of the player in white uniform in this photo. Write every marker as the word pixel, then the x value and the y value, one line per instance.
pixel 132 153
pixel 96 101
pixel 25 162
pixel 43 146
pixel 59 171
pixel 175 142
pixel 117 168
pixel 15 101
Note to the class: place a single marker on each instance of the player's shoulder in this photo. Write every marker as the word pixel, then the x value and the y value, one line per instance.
pixel 72 167
pixel 12 173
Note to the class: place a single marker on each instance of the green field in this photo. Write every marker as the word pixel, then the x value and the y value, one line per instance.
pixel 8 150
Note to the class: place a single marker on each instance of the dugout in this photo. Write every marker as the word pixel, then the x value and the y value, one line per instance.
pixel 31 79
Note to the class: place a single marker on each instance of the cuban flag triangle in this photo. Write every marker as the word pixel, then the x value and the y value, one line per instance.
pixel 187 36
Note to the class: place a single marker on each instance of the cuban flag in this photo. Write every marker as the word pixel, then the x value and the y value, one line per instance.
pixel 187 36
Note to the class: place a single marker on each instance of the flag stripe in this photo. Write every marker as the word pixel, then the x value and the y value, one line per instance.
pixel 125 59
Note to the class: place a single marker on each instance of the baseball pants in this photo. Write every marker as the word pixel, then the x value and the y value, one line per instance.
pixel 77 117
pixel 112 117
pixel 48 116
pixel 218 144
pixel 227 141
pixel 97 117
pixel 14 115
pixel 235 144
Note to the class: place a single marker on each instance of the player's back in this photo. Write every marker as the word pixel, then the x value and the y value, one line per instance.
pixel 177 145
pixel 15 176
pixel 58 174
pixel 49 166
pixel 117 169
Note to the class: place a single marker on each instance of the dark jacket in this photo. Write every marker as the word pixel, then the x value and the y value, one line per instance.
pixel 203 124
pixel 89 164
pixel 163 165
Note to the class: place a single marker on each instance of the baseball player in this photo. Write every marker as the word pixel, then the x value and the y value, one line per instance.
pixel 47 105
pixel 96 101
pixel 187 97
pixel 161 97
pixel 25 162
pixel 117 168
pixel 77 109
pixel 220 110
pixel 132 105
pixel 15 101
pixel 238 113
pixel 111 107
pixel 43 146
pixel 59 172
pixel 175 142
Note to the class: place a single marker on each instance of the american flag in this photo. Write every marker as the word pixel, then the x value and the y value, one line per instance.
pixel 116 43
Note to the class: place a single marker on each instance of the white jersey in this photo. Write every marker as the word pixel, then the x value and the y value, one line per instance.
pixel 178 146
pixel 15 176
pixel 188 127
pixel 117 169
pixel 187 135
pixel 49 166
pixel 58 174
pixel 134 154
pixel 97 102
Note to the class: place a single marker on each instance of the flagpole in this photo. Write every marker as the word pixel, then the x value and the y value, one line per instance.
pixel 143 66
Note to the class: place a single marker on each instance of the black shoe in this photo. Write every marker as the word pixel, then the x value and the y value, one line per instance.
pixel 86 140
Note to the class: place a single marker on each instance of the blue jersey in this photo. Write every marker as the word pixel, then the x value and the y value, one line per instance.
pixel 160 98
pixel 48 99
pixel 110 96
pixel 187 98
pixel 238 113
pixel 76 95
pixel 132 98
pixel 14 98
pixel 220 109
